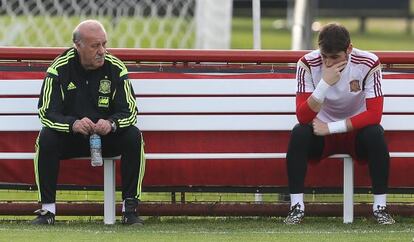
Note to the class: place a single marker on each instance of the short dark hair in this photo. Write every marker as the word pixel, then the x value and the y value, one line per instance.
pixel 334 38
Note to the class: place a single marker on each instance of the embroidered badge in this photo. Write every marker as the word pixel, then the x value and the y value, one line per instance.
pixel 71 86
pixel 103 102
pixel 354 86
pixel 105 86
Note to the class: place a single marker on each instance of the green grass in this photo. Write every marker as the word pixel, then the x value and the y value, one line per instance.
pixel 242 37
pixel 381 34
pixel 84 196
pixel 211 229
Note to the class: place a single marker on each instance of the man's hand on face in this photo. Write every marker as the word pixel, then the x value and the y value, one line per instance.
pixel 320 128
pixel 103 127
pixel 83 126
pixel 332 74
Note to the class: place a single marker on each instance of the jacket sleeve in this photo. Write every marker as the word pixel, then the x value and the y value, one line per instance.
pixel 50 106
pixel 125 107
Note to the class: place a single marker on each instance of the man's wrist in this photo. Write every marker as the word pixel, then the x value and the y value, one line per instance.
pixel 320 91
pixel 113 125
pixel 74 127
pixel 337 127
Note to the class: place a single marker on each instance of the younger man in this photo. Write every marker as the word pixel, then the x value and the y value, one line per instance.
pixel 339 105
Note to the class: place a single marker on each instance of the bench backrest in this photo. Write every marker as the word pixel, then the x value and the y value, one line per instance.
pixel 262 102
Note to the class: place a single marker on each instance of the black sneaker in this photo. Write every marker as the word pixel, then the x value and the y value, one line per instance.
pixel 130 215
pixel 383 216
pixel 43 217
pixel 295 215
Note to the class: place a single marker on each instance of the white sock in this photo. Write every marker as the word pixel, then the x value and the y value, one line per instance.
pixel 379 200
pixel 51 207
pixel 297 198
pixel 123 206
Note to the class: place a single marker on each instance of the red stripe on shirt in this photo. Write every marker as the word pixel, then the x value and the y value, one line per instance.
pixel 365 58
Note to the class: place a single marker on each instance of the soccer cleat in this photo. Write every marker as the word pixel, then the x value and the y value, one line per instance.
pixel 383 216
pixel 295 215
pixel 131 219
pixel 130 216
pixel 44 217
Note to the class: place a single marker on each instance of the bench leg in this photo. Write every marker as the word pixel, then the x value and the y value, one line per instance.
pixel 258 197
pixel 109 191
pixel 348 190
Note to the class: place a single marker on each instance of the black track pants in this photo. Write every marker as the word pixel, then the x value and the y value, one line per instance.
pixel 53 146
pixel 370 145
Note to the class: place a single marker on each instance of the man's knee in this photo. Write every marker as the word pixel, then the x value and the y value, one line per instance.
pixel 302 130
pixel 373 140
pixel 372 131
pixel 372 135
pixel 48 139
pixel 300 138
pixel 132 135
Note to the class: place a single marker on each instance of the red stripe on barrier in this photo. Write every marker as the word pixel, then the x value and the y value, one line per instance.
pixel 181 55
pixel 6 75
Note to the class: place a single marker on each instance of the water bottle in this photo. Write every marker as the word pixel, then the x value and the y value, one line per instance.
pixel 96 150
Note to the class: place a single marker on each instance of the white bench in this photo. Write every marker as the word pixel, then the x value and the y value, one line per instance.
pixel 207 105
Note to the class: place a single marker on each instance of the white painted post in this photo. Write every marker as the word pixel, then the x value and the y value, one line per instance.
pixel 109 191
pixel 258 198
pixel 348 190
pixel 302 24
pixel 257 40
pixel 213 24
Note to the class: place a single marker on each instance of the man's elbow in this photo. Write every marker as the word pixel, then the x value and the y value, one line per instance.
pixel 303 120
pixel 377 119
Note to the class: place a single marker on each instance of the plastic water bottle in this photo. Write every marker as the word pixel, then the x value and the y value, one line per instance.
pixel 96 150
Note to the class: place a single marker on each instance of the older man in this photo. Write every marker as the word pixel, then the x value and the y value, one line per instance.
pixel 86 90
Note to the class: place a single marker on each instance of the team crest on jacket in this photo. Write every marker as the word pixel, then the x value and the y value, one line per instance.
pixel 105 86
pixel 354 86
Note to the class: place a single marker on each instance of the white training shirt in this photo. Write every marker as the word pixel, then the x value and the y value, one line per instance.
pixel 360 79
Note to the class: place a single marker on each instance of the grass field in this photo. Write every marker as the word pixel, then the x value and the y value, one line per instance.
pixel 381 34
pixel 83 196
pixel 87 228
pixel 212 229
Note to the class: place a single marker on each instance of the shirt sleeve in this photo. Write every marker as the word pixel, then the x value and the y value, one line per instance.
pixel 304 113
pixel 372 82
pixel 305 87
pixel 125 107
pixel 371 116
pixel 50 106
pixel 374 99
pixel 304 77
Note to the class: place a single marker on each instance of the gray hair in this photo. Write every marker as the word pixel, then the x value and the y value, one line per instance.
pixel 76 37
pixel 90 23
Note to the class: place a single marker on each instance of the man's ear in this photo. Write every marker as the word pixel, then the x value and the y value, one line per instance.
pixel 77 44
pixel 349 49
